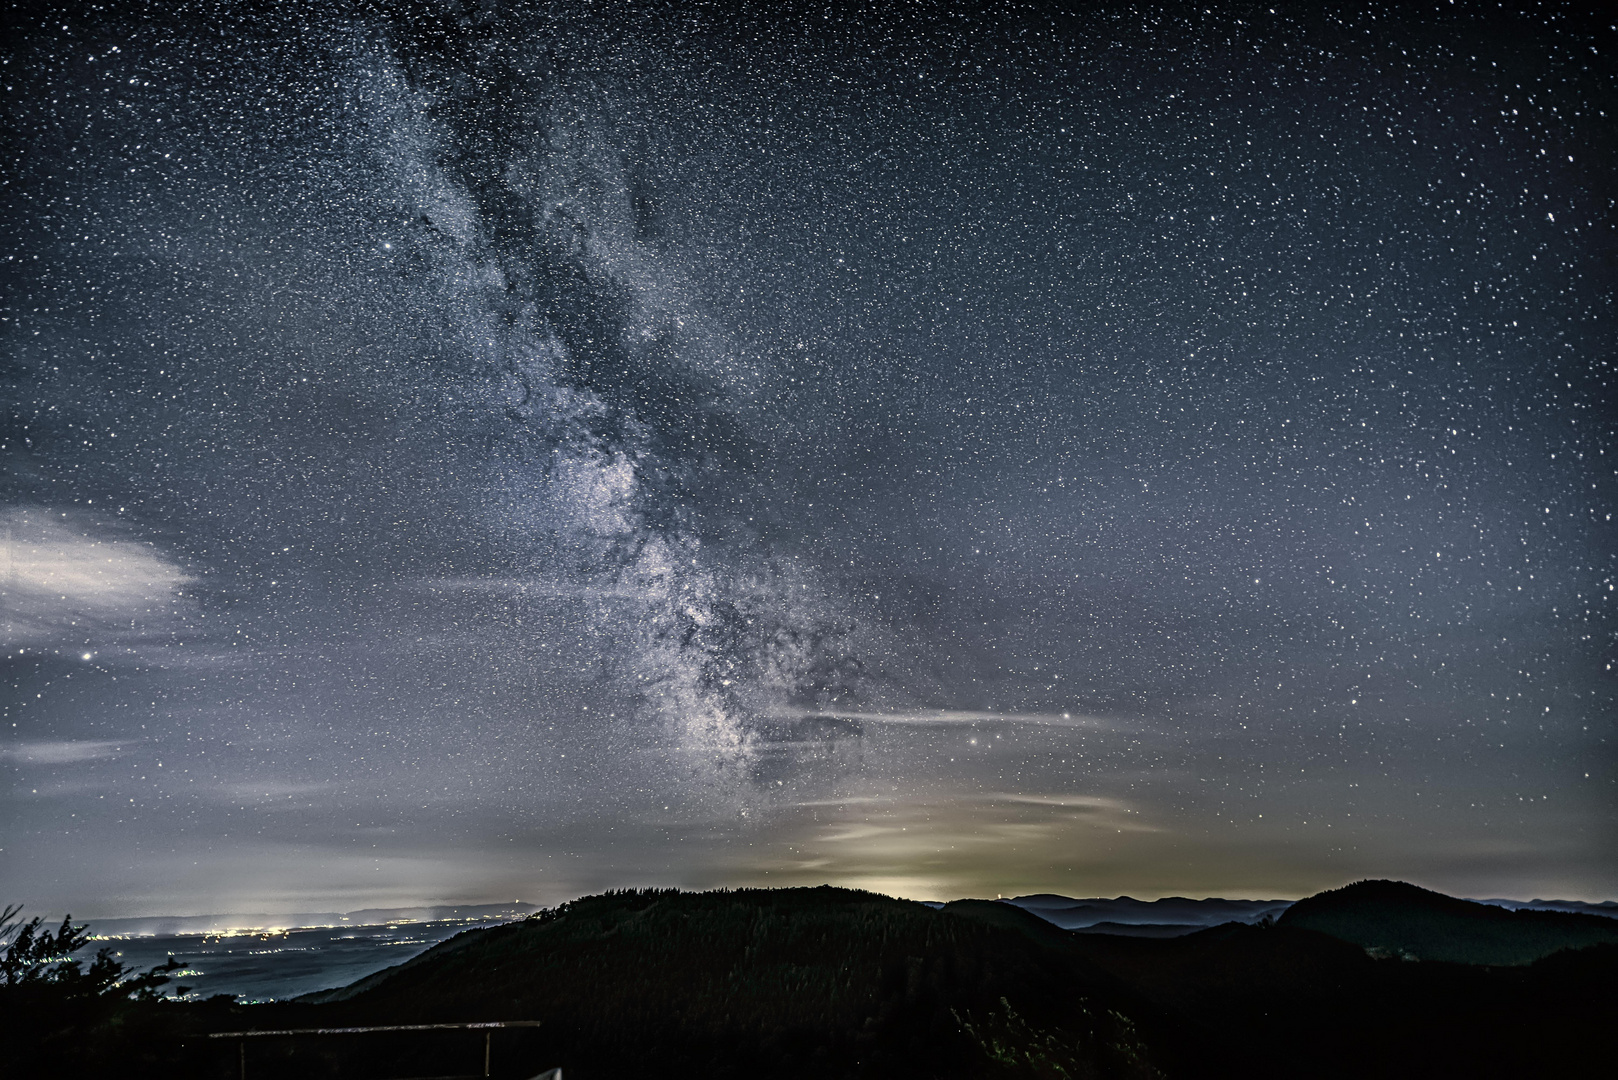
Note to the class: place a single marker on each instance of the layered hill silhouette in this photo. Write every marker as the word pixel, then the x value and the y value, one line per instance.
pixel 1178 912
pixel 1172 916
pixel 1401 920
pixel 830 982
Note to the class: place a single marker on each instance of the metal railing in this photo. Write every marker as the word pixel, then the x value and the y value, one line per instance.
pixel 488 1028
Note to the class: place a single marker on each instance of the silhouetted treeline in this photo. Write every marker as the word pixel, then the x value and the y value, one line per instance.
pixel 835 983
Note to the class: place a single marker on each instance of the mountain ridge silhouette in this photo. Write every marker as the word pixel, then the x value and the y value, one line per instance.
pixel 1395 918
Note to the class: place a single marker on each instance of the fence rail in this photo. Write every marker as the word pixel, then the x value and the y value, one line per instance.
pixel 385 1027
pixel 488 1027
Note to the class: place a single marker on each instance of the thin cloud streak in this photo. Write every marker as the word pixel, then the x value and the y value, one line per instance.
pixel 62 751
pixel 960 716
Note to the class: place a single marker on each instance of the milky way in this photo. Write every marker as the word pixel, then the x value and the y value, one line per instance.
pixel 475 451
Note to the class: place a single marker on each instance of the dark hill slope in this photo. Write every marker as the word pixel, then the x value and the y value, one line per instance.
pixel 832 983
pixel 793 982
pixel 1296 1002
pixel 1399 919
pixel 994 913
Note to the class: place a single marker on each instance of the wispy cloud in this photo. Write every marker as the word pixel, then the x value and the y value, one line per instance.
pixel 67 580
pixel 945 843
pixel 61 751
pixel 959 716
pixel 257 791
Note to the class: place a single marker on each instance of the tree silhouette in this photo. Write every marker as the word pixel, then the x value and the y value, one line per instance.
pixel 39 962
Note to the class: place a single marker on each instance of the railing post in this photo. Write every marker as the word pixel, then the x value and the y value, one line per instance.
pixel 487 1035
pixel 241 1059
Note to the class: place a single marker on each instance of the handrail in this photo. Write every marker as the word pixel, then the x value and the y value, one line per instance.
pixel 389 1027
pixel 486 1026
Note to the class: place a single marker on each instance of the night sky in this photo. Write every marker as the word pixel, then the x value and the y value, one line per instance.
pixel 463 452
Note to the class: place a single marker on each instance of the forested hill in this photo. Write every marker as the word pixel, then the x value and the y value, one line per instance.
pixel 807 982
pixel 1398 919
pixel 829 982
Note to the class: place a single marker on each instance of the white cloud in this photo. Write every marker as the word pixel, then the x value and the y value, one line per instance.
pixel 68 581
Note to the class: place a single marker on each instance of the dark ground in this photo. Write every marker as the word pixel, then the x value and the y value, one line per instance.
pixel 828 982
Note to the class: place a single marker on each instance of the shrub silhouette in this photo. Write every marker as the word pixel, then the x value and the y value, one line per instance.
pixel 39 962
pixel 54 1008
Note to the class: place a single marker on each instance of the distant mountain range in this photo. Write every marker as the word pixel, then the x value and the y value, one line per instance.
pixel 1608 908
pixel 1126 912
pixel 1178 915
pixel 169 925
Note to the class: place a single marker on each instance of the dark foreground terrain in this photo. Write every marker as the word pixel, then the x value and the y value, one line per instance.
pixel 829 982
